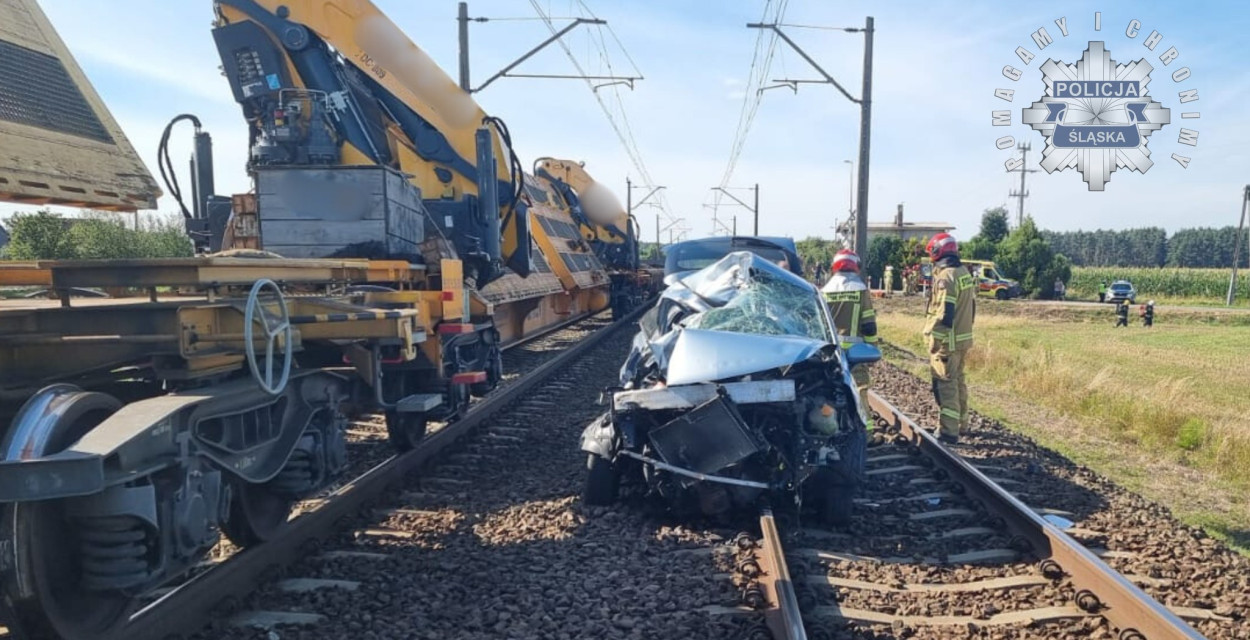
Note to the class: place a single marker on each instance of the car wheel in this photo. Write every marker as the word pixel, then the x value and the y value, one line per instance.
pixel 602 481
pixel 1001 294
pixel 837 505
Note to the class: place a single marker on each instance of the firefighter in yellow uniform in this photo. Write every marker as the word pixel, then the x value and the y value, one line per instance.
pixel 948 330
pixel 850 304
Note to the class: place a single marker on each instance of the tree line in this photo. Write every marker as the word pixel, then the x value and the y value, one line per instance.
pixel 96 235
pixel 1202 247
pixel 1024 254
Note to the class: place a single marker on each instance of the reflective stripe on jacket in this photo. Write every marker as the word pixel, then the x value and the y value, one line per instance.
pixel 952 307
pixel 850 304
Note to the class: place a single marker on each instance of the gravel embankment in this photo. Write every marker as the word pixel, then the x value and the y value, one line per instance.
pixel 1176 564
pixel 495 543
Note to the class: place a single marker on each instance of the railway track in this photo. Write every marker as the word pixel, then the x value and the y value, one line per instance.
pixel 947 550
pixel 490 541
pixel 216 587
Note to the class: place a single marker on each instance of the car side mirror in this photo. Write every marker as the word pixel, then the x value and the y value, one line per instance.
pixel 862 353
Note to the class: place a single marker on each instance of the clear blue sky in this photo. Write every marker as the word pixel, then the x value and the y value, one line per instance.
pixel 936 68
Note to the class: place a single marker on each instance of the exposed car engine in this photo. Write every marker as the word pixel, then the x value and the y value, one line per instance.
pixel 735 392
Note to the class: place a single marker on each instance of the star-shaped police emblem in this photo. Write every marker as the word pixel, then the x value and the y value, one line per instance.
pixel 1096 116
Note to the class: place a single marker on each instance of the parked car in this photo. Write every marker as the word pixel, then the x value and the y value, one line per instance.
pixel 686 257
pixel 736 390
pixel 1120 291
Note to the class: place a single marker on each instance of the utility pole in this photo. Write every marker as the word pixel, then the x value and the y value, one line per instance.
pixel 753 209
pixel 735 228
pixel 1241 223
pixel 865 139
pixel 1024 170
pixel 629 196
pixel 630 205
pixel 463 19
pixel 865 115
pixel 756 210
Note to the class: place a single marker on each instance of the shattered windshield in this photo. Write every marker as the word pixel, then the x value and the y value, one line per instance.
pixel 767 306
pixel 689 336
pixel 752 295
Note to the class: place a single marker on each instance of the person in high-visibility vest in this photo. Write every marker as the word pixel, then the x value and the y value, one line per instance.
pixel 950 313
pixel 850 304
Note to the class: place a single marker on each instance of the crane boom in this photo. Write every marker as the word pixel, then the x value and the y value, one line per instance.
pixel 336 83
pixel 602 220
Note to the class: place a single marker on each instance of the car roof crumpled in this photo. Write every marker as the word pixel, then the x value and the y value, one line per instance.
pixel 740 315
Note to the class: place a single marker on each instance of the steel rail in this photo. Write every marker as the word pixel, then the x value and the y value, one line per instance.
pixel 194 603
pixel 1101 590
pixel 782 615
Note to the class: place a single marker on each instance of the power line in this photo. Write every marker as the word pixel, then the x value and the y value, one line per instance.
pixel 623 130
pixel 757 74
pixel 756 77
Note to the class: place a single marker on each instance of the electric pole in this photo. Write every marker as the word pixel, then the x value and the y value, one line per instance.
pixel 756 210
pixel 463 19
pixel 1024 170
pixel 865 135
pixel 865 115
pixel 753 209
pixel 1241 223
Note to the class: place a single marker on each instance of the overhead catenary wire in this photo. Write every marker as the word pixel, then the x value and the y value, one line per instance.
pixel 761 64
pixel 617 117
pixel 757 75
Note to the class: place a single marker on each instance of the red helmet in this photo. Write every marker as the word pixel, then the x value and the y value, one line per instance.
pixel 940 245
pixel 846 260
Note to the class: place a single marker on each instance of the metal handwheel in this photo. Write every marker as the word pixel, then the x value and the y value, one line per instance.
pixel 273 328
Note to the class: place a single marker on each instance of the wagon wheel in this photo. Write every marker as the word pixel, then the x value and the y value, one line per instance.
pixel 43 537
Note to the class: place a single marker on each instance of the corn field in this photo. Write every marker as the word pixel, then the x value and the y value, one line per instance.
pixel 1160 282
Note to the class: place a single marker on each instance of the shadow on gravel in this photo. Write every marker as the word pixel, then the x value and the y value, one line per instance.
pixel 493 542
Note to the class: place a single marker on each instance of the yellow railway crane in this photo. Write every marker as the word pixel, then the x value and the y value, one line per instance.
pixel 135 432
pixel 362 147
pixel 612 232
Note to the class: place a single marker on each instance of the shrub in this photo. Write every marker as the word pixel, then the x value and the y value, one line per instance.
pixel 1026 256
pixel 43 235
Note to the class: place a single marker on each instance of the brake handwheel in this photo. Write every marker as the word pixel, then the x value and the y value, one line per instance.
pixel 273 329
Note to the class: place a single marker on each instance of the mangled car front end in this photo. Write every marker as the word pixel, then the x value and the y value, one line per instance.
pixel 735 392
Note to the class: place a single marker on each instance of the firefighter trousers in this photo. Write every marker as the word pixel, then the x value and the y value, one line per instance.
pixel 950 390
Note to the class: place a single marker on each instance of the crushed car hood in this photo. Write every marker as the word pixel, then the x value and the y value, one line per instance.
pixel 739 316
pixel 701 356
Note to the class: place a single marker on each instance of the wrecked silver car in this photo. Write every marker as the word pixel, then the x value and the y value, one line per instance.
pixel 735 392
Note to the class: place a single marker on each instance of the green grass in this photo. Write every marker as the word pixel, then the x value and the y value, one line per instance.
pixel 1174 392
